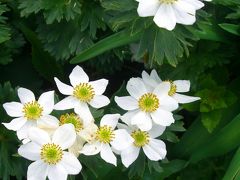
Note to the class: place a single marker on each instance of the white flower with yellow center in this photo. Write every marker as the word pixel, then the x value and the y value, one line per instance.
pixel 145 106
pixel 178 86
pixel 169 12
pixel 81 93
pixel 153 148
pixel 48 153
pixel 85 131
pixel 30 112
pixel 106 136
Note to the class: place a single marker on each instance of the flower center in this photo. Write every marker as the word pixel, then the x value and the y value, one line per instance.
pixel 73 119
pixel 105 134
pixel 148 102
pixel 168 1
pixel 173 89
pixel 51 153
pixel 84 92
pixel 32 110
pixel 141 138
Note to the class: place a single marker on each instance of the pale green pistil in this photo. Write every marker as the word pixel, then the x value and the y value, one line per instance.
pixel 84 92
pixel 105 134
pixel 141 138
pixel 51 153
pixel 32 110
pixel 148 102
pixel 73 119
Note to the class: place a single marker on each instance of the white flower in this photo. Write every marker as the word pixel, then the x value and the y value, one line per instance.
pixel 144 105
pixel 106 135
pixel 48 153
pixel 169 12
pixel 153 148
pixel 85 130
pixel 81 93
pixel 177 87
pixel 30 112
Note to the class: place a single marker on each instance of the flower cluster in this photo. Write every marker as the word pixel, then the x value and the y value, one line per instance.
pixel 54 143
pixel 167 13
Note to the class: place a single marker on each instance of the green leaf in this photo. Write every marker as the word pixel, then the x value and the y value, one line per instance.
pixel 220 143
pixel 231 28
pixel 211 119
pixel 113 41
pixel 136 170
pixel 233 171
pixel 45 64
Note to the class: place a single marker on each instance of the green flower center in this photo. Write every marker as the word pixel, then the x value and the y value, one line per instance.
pixel 173 89
pixel 148 102
pixel 105 134
pixel 51 153
pixel 73 119
pixel 84 92
pixel 32 110
pixel 168 1
pixel 141 138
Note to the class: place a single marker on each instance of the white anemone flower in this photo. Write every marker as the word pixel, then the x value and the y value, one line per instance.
pixel 106 136
pixel 145 106
pixel 48 153
pixel 177 87
pixel 153 148
pixel 30 112
pixel 81 93
pixel 85 131
pixel 167 13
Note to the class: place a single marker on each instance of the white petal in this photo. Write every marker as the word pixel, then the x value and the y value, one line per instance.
pixel 38 136
pixel 154 75
pixel 99 86
pixel 70 163
pixel 127 117
pixel 182 85
pixel 142 120
pixel 162 117
pixel 148 8
pixel 126 102
pixel 183 6
pixel 136 87
pixel 184 17
pixel 155 150
pixel 64 136
pixel 30 151
pixel 99 101
pixel 15 124
pixel 48 122
pixel 168 103
pixel 63 88
pixel 156 131
pixel 37 170
pixel 22 133
pixel 67 103
pixel 162 89
pixel 25 95
pixel 122 139
pixel 107 154
pixel 110 120
pixel 149 81
pixel 197 4
pixel 13 109
pixel 165 17
pixel 129 155
pixel 46 100
pixel 57 172
pixel 83 111
pixel 78 76
pixel 91 149
pixel 180 98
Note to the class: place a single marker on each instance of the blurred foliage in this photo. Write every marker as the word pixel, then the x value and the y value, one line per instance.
pixel 40 38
